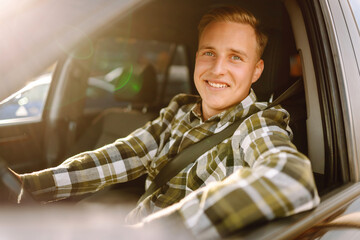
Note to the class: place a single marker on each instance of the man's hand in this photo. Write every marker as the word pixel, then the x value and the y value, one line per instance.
pixel 10 183
pixel 11 186
pixel 15 174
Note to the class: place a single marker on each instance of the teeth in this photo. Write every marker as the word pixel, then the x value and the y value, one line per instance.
pixel 217 85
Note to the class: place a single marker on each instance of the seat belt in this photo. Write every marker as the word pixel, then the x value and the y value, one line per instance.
pixel 194 151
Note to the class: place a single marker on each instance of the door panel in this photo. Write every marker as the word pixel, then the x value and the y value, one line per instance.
pixel 21 144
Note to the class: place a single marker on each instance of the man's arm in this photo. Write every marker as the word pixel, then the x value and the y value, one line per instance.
pixel 277 182
pixel 124 160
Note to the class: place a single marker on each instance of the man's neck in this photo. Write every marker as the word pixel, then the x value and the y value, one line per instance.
pixel 208 113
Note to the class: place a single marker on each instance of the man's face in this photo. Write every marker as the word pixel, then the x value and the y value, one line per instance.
pixel 226 65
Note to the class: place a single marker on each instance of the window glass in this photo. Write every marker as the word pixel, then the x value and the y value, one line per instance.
pixel 29 101
pixel 355 6
pixel 116 56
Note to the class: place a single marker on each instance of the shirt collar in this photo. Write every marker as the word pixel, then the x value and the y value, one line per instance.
pixel 196 112
pixel 229 115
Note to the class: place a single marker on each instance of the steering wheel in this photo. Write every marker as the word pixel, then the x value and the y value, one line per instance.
pixel 11 187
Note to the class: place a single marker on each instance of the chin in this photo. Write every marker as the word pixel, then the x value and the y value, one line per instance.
pixel 219 107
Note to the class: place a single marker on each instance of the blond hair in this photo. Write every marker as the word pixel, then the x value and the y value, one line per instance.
pixel 236 15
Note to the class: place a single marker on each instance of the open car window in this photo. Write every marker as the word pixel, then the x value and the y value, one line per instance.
pixel 308 40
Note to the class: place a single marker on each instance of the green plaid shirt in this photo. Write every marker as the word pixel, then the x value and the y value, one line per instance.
pixel 255 175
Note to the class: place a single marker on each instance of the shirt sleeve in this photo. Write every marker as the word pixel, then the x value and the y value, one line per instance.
pixel 125 159
pixel 277 181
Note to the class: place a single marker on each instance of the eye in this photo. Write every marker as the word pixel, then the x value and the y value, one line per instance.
pixel 236 58
pixel 210 54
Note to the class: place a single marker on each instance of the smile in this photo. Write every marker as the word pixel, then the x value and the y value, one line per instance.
pixel 217 85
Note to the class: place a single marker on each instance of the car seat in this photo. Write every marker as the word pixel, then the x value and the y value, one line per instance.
pixel 276 78
pixel 137 87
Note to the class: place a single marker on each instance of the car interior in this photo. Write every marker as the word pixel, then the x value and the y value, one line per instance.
pixel 148 55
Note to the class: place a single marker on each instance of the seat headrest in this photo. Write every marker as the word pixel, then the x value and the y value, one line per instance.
pixel 137 84
pixel 275 77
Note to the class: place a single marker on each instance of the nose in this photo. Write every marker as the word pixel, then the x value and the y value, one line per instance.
pixel 219 66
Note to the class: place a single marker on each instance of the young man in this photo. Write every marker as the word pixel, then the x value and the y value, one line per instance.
pixel 255 175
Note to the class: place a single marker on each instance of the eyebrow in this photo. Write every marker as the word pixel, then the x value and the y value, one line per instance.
pixel 239 52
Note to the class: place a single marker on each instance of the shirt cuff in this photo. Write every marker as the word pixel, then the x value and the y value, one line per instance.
pixel 40 184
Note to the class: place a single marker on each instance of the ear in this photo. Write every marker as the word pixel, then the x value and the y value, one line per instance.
pixel 259 67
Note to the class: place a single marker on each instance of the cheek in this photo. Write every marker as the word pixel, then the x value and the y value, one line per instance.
pixel 196 74
pixel 200 68
pixel 241 75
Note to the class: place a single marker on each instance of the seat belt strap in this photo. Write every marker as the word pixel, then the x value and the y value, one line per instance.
pixel 296 87
pixel 194 151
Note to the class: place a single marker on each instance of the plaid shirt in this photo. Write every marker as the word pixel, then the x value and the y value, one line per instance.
pixel 253 176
